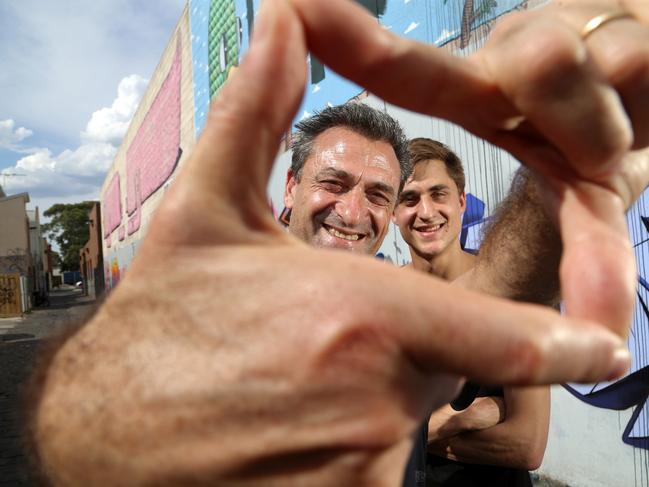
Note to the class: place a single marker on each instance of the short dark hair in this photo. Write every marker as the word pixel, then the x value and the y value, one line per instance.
pixel 363 119
pixel 422 149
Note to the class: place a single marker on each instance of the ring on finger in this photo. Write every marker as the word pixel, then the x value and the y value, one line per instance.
pixel 599 20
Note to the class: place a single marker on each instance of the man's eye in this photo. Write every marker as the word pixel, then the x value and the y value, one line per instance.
pixel 379 198
pixel 409 201
pixel 333 186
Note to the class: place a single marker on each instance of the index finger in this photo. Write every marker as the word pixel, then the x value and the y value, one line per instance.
pixel 409 74
pixel 480 93
pixel 448 329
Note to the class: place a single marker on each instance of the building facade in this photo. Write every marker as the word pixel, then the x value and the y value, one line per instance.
pixel 91 260
pixel 16 266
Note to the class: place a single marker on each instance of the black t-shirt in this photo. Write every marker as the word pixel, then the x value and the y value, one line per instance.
pixel 449 473
pixel 415 475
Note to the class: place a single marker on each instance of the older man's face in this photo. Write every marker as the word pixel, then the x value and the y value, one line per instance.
pixel 346 192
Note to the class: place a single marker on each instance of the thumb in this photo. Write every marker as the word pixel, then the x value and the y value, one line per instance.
pixel 598 272
pixel 226 176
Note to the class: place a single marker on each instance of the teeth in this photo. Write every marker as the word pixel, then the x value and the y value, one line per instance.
pixel 338 234
pixel 430 229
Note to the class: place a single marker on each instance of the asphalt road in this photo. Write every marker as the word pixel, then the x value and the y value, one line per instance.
pixel 20 343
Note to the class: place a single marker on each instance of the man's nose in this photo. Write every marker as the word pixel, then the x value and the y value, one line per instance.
pixel 352 207
pixel 426 209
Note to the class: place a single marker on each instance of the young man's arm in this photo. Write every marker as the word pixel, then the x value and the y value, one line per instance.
pixel 484 412
pixel 517 442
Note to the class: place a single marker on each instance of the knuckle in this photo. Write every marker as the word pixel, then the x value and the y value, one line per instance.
pixel 507 27
pixel 537 50
pixel 553 57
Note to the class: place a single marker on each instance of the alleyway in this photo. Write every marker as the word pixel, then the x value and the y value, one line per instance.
pixel 19 344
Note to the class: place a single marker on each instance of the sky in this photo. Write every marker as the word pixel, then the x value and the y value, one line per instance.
pixel 71 76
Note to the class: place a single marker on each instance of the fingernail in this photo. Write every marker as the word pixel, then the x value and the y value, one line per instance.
pixel 620 363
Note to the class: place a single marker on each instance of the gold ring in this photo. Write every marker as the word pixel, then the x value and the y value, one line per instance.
pixel 596 22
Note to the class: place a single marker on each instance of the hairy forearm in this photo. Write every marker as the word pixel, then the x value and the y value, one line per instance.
pixel 521 250
pixel 485 412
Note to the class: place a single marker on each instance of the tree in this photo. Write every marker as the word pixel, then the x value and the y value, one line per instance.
pixel 68 227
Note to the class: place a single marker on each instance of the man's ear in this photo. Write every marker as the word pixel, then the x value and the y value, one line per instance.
pixel 463 201
pixel 289 189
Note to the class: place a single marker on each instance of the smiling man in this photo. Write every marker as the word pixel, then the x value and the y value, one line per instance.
pixel 349 163
pixel 429 214
pixel 498 438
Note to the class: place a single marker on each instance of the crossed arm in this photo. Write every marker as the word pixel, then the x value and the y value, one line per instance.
pixel 518 441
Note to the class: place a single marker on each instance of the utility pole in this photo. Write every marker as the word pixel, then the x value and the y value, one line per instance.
pixel 6 175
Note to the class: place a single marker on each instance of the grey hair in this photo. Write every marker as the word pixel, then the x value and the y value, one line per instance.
pixel 363 119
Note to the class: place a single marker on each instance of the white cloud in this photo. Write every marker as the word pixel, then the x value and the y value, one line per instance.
pixel 77 171
pixel 10 135
pixel 58 64
pixel 70 173
pixel 109 124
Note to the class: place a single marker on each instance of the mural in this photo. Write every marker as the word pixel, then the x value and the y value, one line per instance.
pixel 155 151
pixel 144 166
pixel 224 38
pixel 111 208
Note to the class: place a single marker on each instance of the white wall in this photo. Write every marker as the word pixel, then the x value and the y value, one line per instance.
pixel 585 447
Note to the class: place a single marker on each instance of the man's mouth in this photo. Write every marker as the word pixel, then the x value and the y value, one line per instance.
pixel 429 228
pixel 352 237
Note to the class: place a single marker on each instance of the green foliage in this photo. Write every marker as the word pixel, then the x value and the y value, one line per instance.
pixel 68 227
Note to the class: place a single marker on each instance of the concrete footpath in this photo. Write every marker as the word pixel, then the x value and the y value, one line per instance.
pixel 19 345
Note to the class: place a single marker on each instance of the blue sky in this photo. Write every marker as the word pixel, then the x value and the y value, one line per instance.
pixel 71 76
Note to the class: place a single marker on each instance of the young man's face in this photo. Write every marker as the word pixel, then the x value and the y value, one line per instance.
pixel 430 208
pixel 346 193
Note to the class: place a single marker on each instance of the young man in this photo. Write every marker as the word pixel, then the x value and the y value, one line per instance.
pixel 496 440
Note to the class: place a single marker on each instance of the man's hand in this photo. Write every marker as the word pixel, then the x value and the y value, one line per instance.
pixel 484 412
pixel 569 108
pixel 233 354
